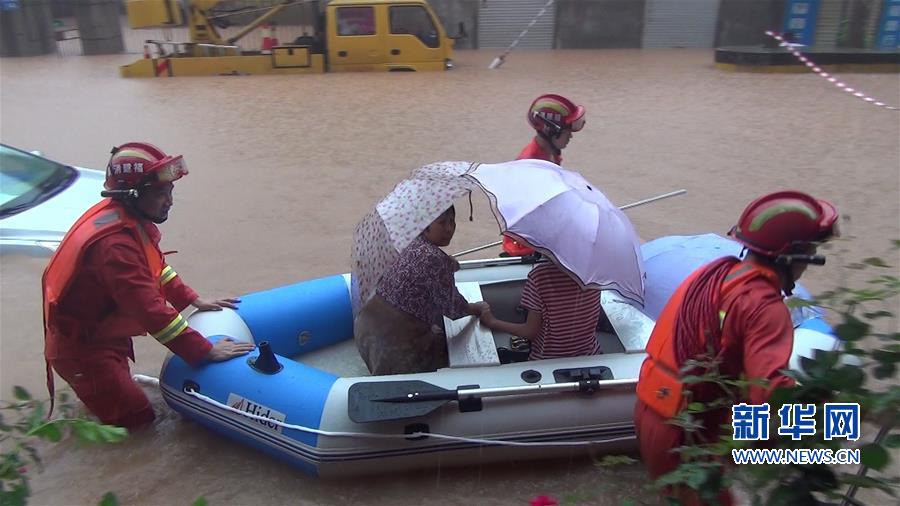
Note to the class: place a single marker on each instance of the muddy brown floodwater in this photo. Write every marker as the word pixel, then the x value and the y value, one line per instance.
pixel 283 167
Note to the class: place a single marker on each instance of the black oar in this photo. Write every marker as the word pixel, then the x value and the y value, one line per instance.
pixel 375 401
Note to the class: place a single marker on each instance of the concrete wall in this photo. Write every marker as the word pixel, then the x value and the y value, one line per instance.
pixel 99 27
pixel 859 15
pixel 579 23
pixel 66 8
pixel 599 23
pixel 452 12
pixel 744 22
pixel 26 29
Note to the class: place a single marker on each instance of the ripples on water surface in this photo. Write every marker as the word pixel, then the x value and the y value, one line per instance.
pixel 282 167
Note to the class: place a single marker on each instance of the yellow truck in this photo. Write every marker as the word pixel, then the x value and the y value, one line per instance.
pixel 350 35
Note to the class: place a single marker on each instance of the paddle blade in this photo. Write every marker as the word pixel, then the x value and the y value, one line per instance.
pixel 376 401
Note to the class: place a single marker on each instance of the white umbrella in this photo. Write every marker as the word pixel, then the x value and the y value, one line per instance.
pixel 566 218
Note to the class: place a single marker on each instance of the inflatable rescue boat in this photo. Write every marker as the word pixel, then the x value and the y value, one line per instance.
pixel 305 396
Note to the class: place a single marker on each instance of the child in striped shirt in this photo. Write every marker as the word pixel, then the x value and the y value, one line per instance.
pixel 562 316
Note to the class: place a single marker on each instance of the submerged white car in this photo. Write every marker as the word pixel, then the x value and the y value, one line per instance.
pixel 40 200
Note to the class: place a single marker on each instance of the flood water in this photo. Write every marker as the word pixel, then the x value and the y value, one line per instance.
pixel 283 167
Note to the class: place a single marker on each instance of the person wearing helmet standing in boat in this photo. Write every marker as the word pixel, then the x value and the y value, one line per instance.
pixel 108 281
pixel 555 119
pixel 734 310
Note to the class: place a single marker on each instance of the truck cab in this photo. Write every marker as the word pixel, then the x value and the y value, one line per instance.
pixel 350 35
pixel 392 35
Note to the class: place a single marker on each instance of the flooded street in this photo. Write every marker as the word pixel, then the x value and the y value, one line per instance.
pixel 283 167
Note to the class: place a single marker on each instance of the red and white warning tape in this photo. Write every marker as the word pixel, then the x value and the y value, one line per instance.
pixel 830 78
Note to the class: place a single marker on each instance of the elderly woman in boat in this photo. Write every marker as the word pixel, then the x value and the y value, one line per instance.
pixel 400 329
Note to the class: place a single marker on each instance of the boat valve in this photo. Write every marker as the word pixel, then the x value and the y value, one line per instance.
pixel 266 362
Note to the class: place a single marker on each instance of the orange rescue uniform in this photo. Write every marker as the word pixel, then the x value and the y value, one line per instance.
pixel 534 151
pixel 757 341
pixel 107 282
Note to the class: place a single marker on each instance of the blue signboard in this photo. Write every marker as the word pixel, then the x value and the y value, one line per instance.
pixel 800 20
pixel 10 5
pixel 889 28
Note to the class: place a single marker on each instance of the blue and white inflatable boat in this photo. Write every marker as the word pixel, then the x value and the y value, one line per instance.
pixel 319 410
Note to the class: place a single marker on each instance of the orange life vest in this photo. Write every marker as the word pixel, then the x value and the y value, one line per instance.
pixel 104 218
pixel 514 249
pixel 659 385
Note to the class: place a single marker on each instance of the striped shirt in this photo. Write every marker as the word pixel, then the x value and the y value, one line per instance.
pixel 569 314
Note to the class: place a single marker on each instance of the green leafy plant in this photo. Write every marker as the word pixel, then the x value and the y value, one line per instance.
pixel 23 424
pixel 110 499
pixel 702 466
pixel 863 371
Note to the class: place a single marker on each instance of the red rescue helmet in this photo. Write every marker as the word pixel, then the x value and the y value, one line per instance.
pixel 137 164
pixel 551 114
pixel 781 222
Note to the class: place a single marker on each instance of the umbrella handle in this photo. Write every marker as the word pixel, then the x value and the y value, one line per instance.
pixel 626 206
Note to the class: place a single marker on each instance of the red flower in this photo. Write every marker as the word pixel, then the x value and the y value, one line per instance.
pixel 543 500
pixel 22 470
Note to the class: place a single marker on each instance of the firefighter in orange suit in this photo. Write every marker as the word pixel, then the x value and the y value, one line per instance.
pixel 735 308
pixel 555 119
pixel 108 281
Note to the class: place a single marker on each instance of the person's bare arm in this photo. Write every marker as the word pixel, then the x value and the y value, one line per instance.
pixel 529 330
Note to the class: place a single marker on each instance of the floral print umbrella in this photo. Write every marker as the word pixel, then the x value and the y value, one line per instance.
pixel 399 218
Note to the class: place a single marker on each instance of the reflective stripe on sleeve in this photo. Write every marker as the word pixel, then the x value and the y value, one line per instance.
pixel 168 274
pixel 172 330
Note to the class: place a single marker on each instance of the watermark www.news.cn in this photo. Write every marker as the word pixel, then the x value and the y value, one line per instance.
pixel 799 456
pixel 750 422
